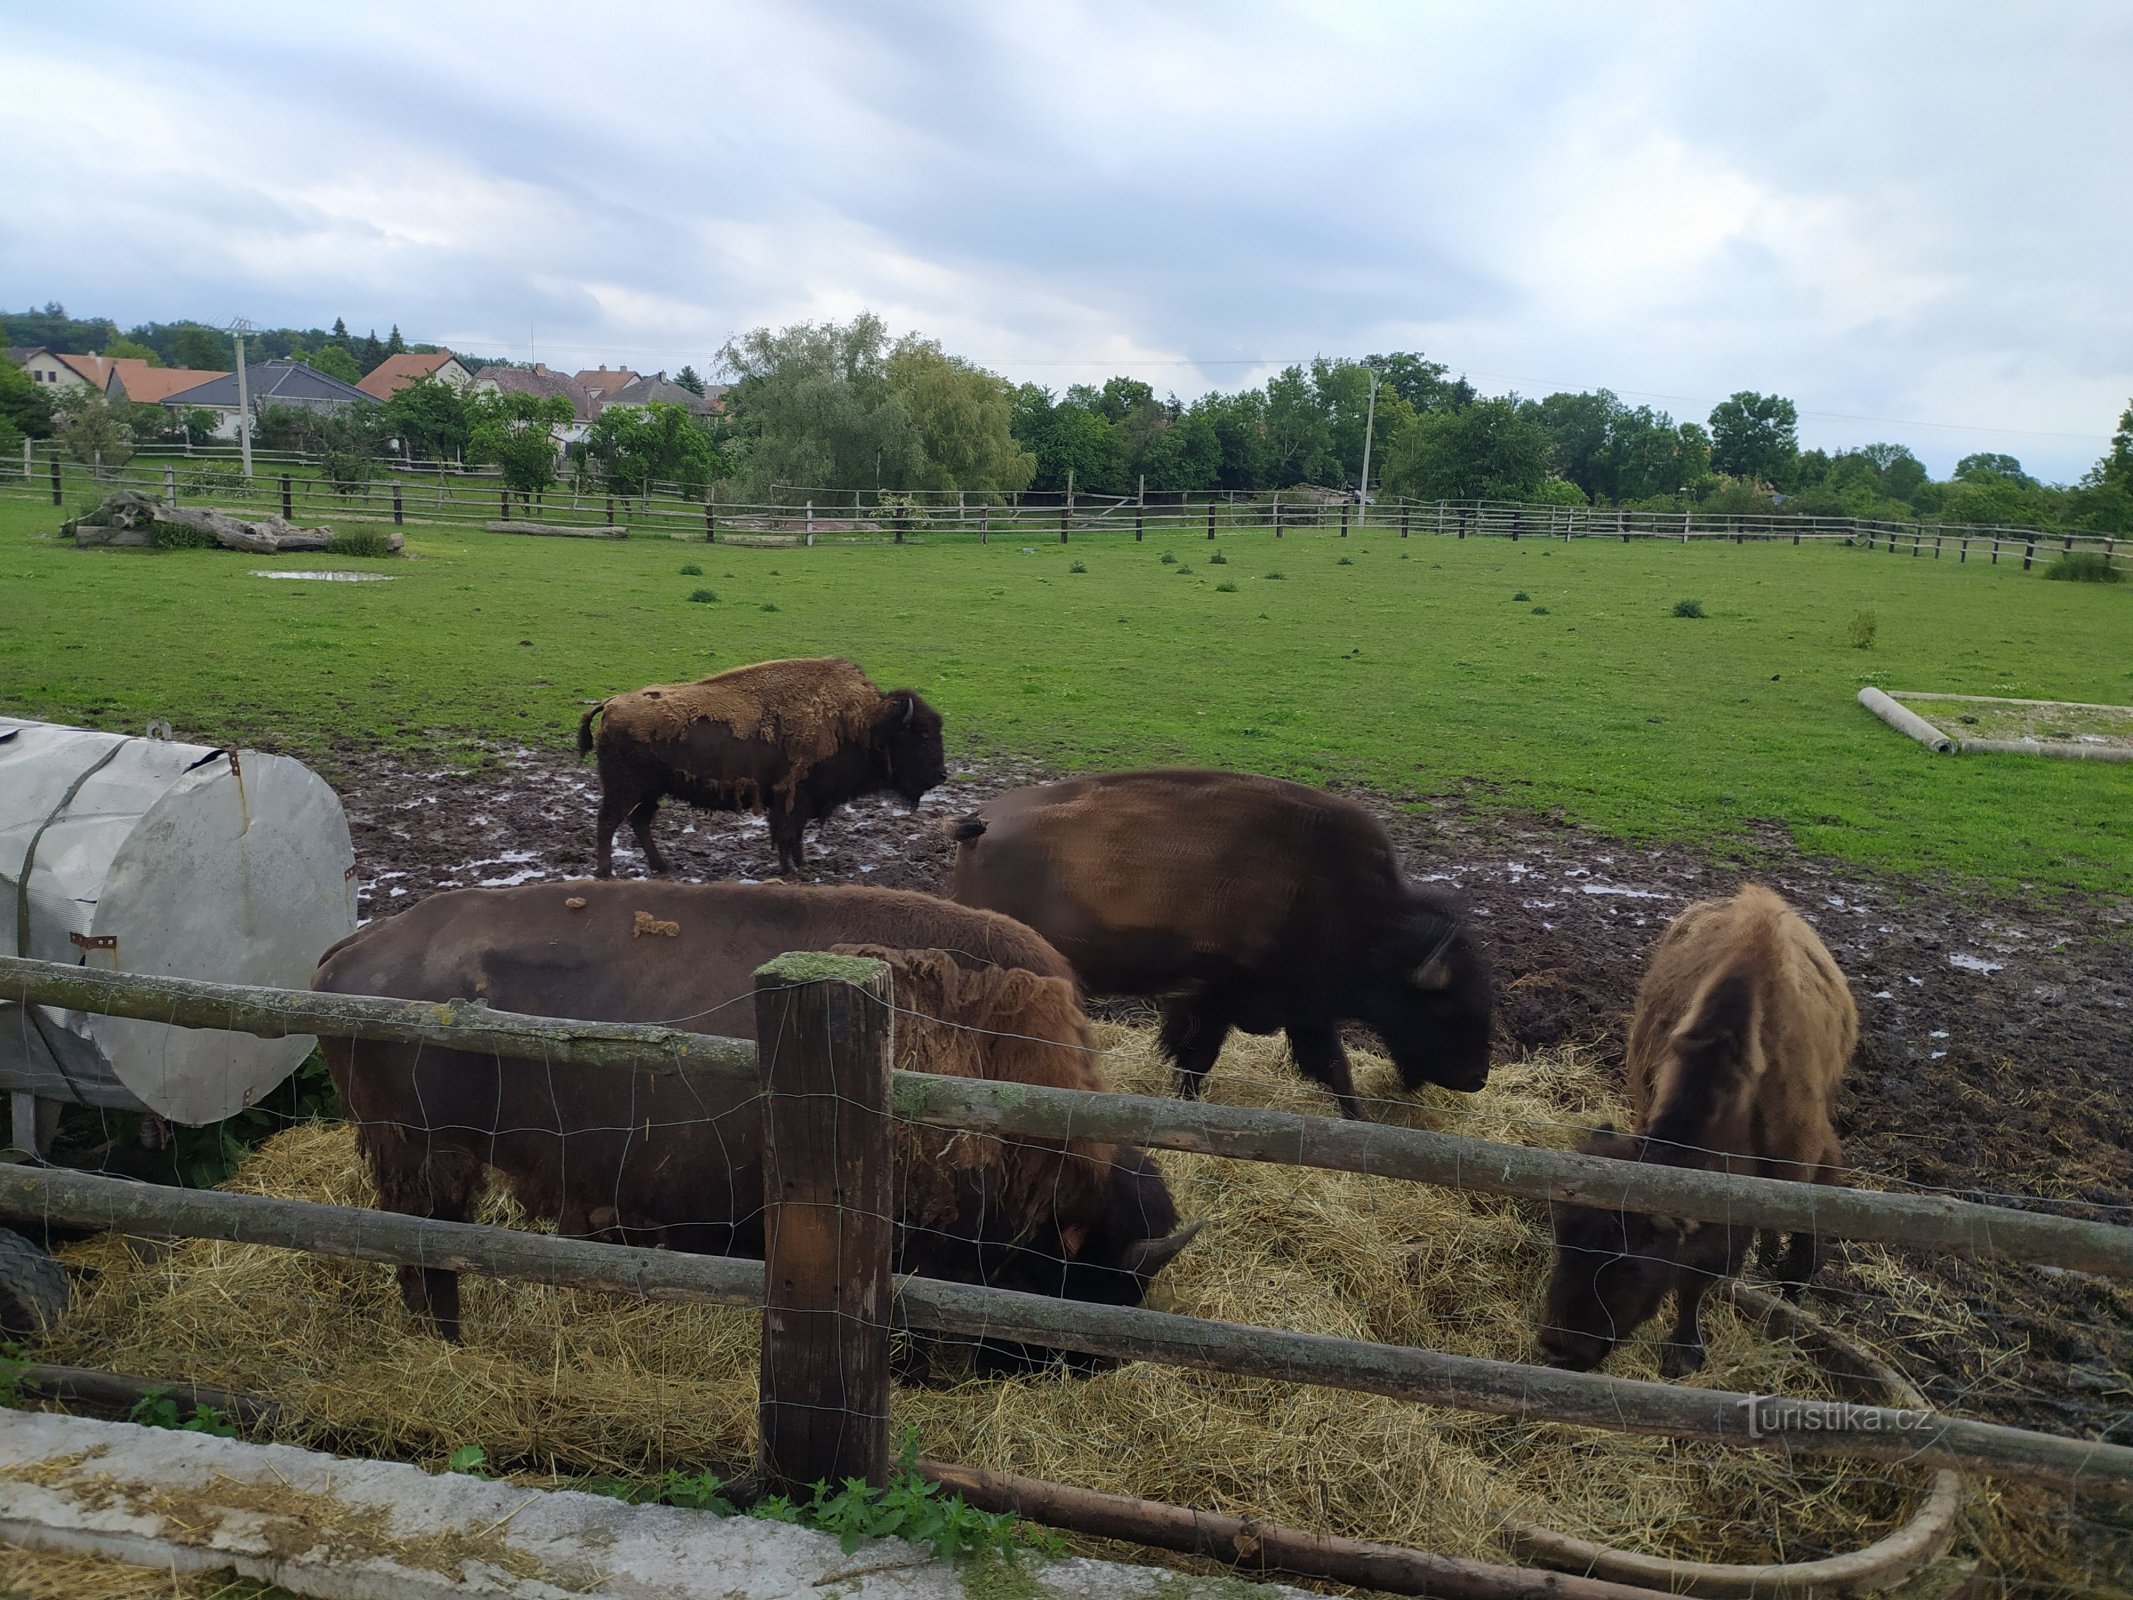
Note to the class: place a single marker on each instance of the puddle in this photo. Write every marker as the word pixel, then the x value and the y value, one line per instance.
pixel 1621 892
pixel 327 577
pixel 1970 963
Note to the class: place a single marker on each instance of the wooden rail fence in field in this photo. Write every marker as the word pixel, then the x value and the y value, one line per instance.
pixel 830 1301
pixel 449 494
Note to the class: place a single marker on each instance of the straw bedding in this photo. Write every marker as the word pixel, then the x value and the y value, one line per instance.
pixel 570 1382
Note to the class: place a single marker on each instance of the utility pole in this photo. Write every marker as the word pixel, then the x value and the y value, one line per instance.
pixel 239 327
pixel 1370 422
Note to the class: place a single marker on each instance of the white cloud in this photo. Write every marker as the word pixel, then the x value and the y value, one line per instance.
pixel 1886 215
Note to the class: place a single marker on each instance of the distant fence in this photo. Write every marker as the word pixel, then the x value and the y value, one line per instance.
pixel 449 494
pixel 830 1300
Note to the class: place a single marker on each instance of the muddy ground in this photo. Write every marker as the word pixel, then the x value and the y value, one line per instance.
pixel 1996 1060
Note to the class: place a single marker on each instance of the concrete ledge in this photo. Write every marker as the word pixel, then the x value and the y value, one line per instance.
pixel 381 1530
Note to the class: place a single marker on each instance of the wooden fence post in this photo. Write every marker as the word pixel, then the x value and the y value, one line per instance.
pixel 710 521
pixel 1137 516
pixel 398 513
pixel 503 499
pixel 1210 520
pixel 2029 555
pixel 288 513
pixel 55 479
pixel 1518 520
pixel 1403 521
pixel 170 487
pixel 829 1222
pixel 1065 511
pixel 1344 519
pixel 1462 519
pixel 610 511
pixel 1277 512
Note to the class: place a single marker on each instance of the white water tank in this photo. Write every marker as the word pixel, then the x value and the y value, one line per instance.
pixel 145 855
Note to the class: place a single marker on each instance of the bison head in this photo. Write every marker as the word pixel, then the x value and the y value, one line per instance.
pixel 1433 998
pixel 908 737
pixel 1613 1268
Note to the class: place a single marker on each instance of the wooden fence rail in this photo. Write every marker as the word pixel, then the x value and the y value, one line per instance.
pixel 1240 1133
pixel 469 497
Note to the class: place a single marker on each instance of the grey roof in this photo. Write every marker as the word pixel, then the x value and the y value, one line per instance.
pixel 645 391
pixel 270 383
pixel 538 380
pixel 20 353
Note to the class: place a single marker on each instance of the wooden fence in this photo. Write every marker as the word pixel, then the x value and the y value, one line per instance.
pixel 829 1300
pixel 445 493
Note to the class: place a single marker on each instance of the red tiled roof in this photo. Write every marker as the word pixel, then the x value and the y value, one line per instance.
pixel 397 372
pixel 146 385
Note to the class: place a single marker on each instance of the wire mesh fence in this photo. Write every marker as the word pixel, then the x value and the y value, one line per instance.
pixel 1270 1370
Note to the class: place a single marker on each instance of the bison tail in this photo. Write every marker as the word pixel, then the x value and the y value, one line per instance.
pixel 585 729
pixel 961 830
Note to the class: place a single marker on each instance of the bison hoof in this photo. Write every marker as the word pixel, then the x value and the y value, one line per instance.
pixel 1680 1360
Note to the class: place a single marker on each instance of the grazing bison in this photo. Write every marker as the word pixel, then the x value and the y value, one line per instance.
pixel 636 1158
pixel 1243 902
pixel 795 739
pixel 1741 1035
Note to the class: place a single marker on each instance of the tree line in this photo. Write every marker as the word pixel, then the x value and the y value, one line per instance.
pixel 837 407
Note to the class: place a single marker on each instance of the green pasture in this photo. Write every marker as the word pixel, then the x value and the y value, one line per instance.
pixel 1413 667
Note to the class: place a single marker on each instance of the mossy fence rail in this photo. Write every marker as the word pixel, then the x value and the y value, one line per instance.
pixel 830 1301
pixel 447 494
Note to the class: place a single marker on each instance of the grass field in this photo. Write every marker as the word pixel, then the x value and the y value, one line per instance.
pixel 1534 676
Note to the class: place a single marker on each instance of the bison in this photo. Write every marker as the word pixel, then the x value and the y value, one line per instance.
pixel 1238 901
pixel 795 739
pixel 638 1158
pixel 1741 1035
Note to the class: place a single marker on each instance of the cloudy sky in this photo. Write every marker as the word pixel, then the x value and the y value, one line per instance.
pixel 1916 220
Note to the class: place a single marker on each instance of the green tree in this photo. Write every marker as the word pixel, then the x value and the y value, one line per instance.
pixel 635 447
pixel 1756 436
pixel 429 418
pixel 1299 437
pixel 25 407
pixel 516 431
pixel 92 431
pixel 339 337
pixel 1902 474
pixel 1243 459
pixel 1489 450
pixel 1187 454
pixel 396 346
pixel 369 354
pixel 2005 466
pixel 811 408
pixel 131 349
pixel 1419 381
pixel 201 348
pixel 1063 437
pixel 335 361
pixel 198 423
pixel 1579 427
pixel 689 380
pixel 961 417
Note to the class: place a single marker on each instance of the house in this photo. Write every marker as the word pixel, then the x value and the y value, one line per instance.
pixel 395 373
pixel 59 371
pixel 134 379
pixel 656 389
pixel 538 380
pixel 113 377
pixel 602 383
pixel 269 383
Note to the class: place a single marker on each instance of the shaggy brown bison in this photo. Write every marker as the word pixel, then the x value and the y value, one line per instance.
pixel 1239 901
pixel 676 1161
pixel 795 739
pixel 1741 1035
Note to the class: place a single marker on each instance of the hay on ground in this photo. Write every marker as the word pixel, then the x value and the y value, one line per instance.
pixel 571 1382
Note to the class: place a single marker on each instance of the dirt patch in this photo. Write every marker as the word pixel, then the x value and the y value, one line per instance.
pixel 1996 1054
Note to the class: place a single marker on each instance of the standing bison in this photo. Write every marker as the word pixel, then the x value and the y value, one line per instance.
pixel 648 1159
pixel 1239 901
pixel 795 739
pixel 1743 1028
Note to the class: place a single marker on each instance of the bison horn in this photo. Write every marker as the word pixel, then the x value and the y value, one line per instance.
pixel 910 708
pixel 1434 973
pixel 1151 1256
